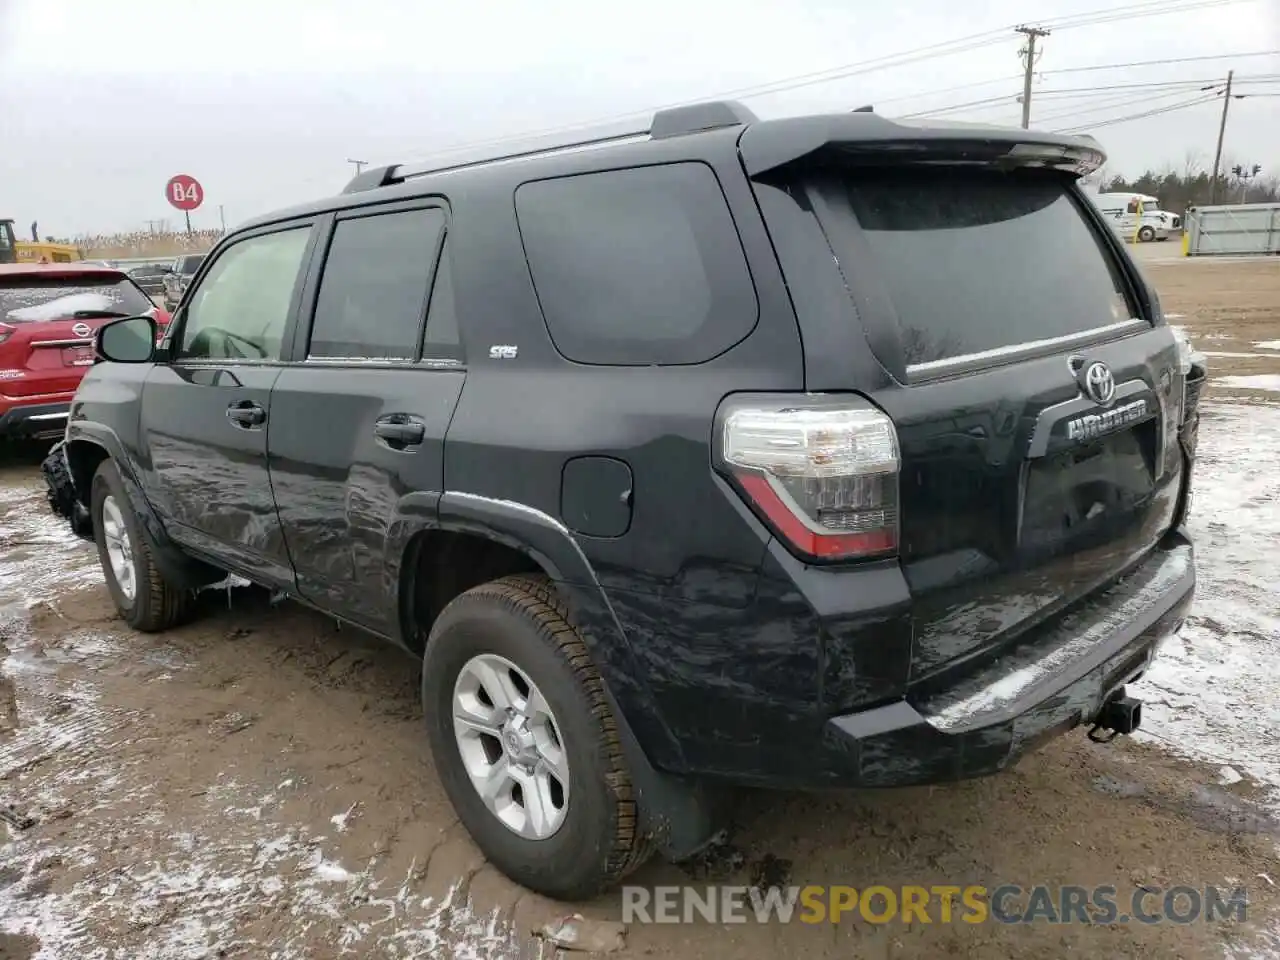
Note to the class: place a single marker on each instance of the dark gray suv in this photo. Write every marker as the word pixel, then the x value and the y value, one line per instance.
pixel 723 452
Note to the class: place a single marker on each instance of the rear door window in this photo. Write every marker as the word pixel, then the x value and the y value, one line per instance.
pixel 637 267
pixel 975 261
pixel 373 295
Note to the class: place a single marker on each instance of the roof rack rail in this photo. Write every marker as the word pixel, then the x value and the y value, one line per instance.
pixel 672 122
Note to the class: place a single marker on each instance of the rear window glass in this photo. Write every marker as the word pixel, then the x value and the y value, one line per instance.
pixel 52 298
pixel 190 264
pixel 640 266
pixel 978 260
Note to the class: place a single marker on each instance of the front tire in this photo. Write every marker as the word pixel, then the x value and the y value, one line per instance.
pixel 143 597
pixel 1146 234
pixel 525 741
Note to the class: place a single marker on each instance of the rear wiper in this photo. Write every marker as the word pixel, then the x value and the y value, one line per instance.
pixel 97 314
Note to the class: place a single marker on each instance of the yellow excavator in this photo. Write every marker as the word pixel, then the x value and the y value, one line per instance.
pixel 13 250
pixel 8 244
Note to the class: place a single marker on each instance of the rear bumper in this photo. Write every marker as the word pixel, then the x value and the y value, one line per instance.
pixel 1052 683
pixel 34 420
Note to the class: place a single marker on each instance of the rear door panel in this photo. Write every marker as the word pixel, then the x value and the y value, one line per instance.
pixel 338 485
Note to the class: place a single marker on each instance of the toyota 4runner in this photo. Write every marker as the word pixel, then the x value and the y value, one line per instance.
pixel 818 452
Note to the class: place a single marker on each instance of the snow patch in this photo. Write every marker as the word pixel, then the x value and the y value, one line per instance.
pixel 64 307
pixel 1270 382
pixel 1268 345
pixel 1210 693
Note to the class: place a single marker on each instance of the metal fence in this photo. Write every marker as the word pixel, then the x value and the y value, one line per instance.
pixel 1238 230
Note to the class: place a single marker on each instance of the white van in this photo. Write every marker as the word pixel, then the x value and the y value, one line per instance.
pixel 1121 211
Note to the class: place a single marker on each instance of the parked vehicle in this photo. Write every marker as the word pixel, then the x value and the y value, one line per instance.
pixel 178 278
pixel 150 277
pixel 725 452
pixel 1121 209
pixel 48 316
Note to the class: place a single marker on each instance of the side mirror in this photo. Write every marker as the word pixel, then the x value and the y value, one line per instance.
pixel 129 340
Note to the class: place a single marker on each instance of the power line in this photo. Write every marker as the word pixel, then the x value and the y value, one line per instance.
pixel 1161 63
pixel 1151 9
pixel 1113 104
pixel 921 94
pixel 1070 92
pixel 966 44
pixel 857 68
pixel 1173 87
pixel 1105 91
pixel 1087 127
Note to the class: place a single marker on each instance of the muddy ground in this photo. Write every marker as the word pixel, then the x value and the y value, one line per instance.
pixel 256 784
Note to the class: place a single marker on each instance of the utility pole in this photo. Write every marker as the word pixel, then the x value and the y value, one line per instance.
pixel 1029 56
pixel 358 164
pixel 1222 129
pixel 222 217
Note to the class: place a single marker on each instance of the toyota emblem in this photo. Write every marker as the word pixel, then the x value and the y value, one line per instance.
pixel 1098 383
pixel 82 330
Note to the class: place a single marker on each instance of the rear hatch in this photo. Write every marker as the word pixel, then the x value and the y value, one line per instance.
pixel 1034 389
pixel 47 323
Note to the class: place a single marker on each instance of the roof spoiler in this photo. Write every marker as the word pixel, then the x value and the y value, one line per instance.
pixel 671 122
pixel 863 136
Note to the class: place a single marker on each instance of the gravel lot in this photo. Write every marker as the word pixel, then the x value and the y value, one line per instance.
pixel 256 783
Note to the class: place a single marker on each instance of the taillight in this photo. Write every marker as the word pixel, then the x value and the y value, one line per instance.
pixel 822 469
pixel 6 332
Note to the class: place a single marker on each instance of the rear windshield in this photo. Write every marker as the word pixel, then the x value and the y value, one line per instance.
pixel 54 298
pixel 976 260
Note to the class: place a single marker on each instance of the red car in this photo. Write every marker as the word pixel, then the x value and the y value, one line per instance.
pixel 48 316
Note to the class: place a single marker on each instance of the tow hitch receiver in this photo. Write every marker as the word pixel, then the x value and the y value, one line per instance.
pixel 1120 714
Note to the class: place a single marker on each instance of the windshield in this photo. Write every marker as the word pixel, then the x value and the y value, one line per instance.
pixel 190 264
pixel 59 298
pixel 976 260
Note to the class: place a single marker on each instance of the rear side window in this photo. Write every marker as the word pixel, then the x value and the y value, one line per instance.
pixel 373 295
pixel 640 266
pixel 978 260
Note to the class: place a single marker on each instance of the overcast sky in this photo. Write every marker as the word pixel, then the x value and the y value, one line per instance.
pixel 264 101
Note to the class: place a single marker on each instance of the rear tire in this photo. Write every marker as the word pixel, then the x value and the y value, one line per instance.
pixel 144 598
pixel 592 841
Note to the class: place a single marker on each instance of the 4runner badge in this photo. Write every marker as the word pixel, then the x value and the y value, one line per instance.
pixel 1093 425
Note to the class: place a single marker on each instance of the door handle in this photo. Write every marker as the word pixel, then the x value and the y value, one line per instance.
pixel 247 414
pixel 398 429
